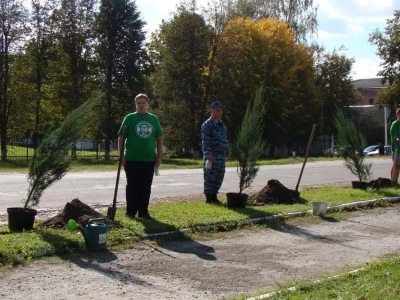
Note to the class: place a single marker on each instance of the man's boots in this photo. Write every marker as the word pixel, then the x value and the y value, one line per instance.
pixel 215 199
pixel 209 198
pixel 212 198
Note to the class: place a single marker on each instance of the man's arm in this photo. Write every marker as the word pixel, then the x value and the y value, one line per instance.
pixel 206 142
pixel 159 150
pixel 121 149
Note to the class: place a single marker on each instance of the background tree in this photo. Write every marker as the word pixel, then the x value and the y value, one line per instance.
pixel 252 52
pixel 21 113
pixel 122 61
pixel 180 52
pixel 73 39
pixel 216 14
pixel 38 50
pixel 299 15
pixel 388 48
pixel 334 82
pixel 13 21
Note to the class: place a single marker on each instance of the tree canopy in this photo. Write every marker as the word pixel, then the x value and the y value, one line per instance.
pixel 334 83
pixel 388 48
pixel 180 51
pixel 264 51
pixel 52 59
pixel 299 15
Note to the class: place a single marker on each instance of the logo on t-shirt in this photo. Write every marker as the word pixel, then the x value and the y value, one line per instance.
pixel 144 129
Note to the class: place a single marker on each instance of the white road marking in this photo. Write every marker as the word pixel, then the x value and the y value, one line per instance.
pixel 153 186
pixel 104 187
pixel 12 195
pixel 178 184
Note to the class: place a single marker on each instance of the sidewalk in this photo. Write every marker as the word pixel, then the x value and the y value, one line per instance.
pixel 238 262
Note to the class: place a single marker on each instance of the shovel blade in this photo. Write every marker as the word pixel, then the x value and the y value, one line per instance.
pixel 111 212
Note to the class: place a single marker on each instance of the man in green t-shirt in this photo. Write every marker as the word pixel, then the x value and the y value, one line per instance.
pixel 394 140
pixel 142 155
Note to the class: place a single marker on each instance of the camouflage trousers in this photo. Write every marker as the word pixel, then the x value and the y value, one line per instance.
pixel 213 177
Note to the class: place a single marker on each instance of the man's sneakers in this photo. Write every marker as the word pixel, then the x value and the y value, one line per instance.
pixel 130 214
pixel 212 199
pixel 145 216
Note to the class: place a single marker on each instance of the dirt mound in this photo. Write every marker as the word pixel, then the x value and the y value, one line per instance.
pixel 381 183
pixel 275 193
pixel 78 211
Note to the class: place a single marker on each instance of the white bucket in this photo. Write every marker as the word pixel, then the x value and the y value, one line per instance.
pixel 319 208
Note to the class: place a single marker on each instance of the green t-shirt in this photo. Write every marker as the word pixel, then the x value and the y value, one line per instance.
pixel 394 130
pixel 141 136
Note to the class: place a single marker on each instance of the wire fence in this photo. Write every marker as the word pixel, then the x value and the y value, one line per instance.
pixel 83 149
pixel 89 149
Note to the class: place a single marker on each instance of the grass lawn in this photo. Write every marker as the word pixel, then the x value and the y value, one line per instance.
pixel 377 280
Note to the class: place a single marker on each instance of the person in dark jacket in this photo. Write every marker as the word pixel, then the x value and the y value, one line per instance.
pixel 215 152
pixel 381 149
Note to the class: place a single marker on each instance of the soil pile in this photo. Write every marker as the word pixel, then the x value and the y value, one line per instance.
pixel 275 193
pixel 78 211
pixel 381 183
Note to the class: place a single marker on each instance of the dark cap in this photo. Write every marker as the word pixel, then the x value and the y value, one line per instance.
pixel 216 104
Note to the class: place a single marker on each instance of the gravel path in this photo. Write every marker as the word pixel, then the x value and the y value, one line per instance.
pixel 238 262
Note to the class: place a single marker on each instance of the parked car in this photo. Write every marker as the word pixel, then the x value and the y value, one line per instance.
pixel 337 151
pixel 371 150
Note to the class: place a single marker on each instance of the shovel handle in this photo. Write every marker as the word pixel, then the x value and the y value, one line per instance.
pixel 306 156
pixel 112 210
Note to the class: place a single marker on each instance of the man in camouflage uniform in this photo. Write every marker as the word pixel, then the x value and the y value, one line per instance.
pixel 215 151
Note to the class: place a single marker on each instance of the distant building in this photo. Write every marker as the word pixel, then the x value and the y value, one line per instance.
pixel 361 111
pixel 368 89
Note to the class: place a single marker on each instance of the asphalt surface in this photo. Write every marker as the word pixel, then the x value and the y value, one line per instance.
pixel 97 188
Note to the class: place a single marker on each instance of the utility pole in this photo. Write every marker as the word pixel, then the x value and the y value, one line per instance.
pixel 385 116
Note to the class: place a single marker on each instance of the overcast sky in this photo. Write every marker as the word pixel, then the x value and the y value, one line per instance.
pixel 345 23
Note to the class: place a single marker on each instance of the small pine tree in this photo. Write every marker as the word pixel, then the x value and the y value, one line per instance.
pixel 50 161
pixel 351 144
pixel 249 144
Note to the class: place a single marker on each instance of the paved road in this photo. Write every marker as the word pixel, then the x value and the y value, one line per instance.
pixel 97 188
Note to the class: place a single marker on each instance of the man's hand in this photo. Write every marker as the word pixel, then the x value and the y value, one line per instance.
pixel 158 162
pixel 209 157
pixel 123 160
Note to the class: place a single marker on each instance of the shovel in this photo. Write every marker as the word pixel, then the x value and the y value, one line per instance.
pixel 305 157
pixel 113 209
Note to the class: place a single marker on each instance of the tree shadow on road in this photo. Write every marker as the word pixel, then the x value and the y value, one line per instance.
pixel 99 261
pixel 181 242
pixel 278 223
pixel 313 235
pixel 329 219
